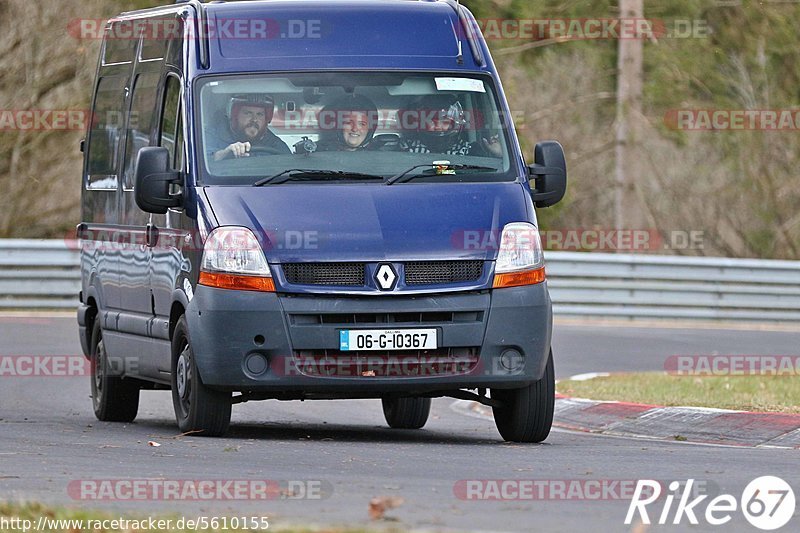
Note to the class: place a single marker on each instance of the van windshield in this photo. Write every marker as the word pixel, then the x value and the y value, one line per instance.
pixel 351 126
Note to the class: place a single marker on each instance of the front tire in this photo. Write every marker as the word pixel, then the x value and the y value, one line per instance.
pixel 197 408
pixel 406 413
pixel 527 413
pixel 114 398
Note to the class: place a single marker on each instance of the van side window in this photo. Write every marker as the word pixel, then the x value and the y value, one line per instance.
pixel 105 134
pixel 152 50
pixel 121 39
pixel 140 122
pixel 175 43
pixel 179 152
pixel 171 125
pixel 157 34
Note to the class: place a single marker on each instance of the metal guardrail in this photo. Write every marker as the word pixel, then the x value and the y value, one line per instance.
pixel 45 274
pixel 651 286
pixel 39 274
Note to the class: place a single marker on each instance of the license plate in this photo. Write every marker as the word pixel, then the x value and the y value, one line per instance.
pixel 387 339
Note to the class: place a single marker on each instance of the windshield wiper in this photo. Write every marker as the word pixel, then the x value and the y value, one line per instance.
pixel 403 177
pixel 312 174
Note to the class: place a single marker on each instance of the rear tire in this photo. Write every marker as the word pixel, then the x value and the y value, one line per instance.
pixel 114 398
pixel 527 413
pixel 197 408
pixel 406 413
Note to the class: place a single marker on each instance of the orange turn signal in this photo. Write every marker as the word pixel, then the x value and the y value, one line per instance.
pixel 517 279
pixel 237 282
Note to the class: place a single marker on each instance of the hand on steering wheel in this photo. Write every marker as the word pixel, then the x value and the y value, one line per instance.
pixel 238 149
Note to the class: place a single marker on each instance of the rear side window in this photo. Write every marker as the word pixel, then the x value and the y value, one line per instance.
pixel 140 123
pixel 121 39
pixel 152 50
pixel 106 132
pixel 175 44
pixel 157 34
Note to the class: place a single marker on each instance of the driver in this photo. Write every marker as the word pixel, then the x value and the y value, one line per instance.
pixel 248 116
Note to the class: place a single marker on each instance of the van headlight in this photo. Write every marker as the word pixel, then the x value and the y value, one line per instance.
pixel 521 260
pixel 233 259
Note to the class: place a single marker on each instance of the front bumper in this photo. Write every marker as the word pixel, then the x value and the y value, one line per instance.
pixel 261 343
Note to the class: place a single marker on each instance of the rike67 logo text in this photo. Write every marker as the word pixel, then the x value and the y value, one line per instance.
pixel 767 502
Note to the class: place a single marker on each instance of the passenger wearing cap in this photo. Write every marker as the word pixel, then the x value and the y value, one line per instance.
pixel 438 125
pixel 248 134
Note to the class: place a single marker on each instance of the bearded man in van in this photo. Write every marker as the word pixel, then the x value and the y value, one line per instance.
pixel 248 134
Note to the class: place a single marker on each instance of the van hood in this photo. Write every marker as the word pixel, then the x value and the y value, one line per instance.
pixel 368 222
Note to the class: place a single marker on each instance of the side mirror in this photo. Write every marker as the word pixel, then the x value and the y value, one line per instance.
pixel 153 179
pixel 548 173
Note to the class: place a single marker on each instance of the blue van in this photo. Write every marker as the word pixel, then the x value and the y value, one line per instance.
pixel 302 200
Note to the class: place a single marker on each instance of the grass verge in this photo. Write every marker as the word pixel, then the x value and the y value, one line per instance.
pixel 776 394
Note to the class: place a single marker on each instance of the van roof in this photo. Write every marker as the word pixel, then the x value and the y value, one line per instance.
pixel 313 34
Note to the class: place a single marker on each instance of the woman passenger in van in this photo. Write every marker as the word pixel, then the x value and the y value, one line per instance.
pixel 348 124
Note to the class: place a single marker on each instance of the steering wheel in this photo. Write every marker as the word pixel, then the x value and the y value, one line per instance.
pixel 266 150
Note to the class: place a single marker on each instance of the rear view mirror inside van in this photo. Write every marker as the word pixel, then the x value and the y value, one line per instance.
pixel 153 181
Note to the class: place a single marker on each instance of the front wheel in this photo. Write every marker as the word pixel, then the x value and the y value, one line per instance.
pixel 406 413
pixel 527 413
pixel 197 408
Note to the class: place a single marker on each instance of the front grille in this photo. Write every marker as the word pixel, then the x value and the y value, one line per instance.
pixel 354 274
pixel 349 274
pixel 413 318
pixel 405 363
pixel 438 272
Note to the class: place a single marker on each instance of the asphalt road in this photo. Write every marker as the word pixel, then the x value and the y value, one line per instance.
pixel 49 438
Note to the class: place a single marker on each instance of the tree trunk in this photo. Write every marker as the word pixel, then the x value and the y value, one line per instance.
pixel 629 213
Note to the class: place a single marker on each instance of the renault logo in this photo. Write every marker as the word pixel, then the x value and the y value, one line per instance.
pixel 385 276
